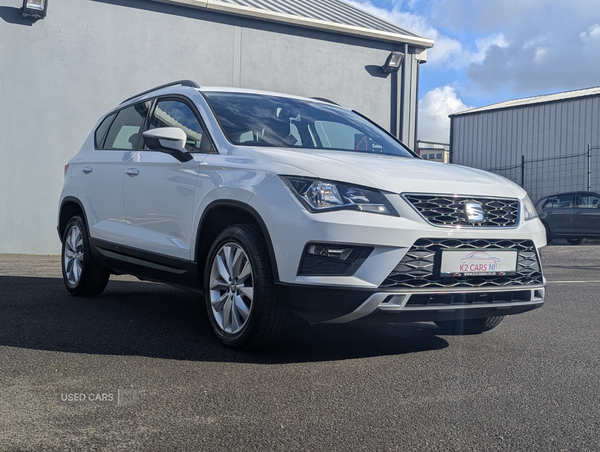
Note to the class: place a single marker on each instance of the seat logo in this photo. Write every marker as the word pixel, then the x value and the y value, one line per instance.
pixel 474 212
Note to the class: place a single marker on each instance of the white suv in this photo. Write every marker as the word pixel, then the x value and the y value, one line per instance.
pixel 275 205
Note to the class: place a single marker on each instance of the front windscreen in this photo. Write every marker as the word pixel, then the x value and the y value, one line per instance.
pixel 263 120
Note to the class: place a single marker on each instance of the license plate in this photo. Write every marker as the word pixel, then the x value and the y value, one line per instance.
pixel 478 262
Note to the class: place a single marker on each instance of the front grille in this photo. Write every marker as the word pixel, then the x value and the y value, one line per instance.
pixel 448 210
pixel 420 266
pixel 468 299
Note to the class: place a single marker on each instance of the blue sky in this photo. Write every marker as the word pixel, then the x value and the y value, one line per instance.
pixel 489 51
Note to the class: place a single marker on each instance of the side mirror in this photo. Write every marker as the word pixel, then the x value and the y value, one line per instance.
pixel 170 140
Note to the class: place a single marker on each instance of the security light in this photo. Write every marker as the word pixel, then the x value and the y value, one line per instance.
pixel 393 62
pixel 35 9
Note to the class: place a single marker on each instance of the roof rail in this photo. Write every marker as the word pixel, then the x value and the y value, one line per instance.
pixel 322 99
pixel 190 83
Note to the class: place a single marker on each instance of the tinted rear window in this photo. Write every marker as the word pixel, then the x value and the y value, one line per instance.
pixel 102 129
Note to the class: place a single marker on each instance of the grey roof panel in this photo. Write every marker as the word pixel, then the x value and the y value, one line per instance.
pixel 330 15
pixel 566 95
pixel 330 10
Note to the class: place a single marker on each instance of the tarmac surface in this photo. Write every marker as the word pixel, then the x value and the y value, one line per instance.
pixel 158 380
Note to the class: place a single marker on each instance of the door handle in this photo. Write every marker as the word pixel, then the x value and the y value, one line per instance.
pixel 87 169
pixel 132 172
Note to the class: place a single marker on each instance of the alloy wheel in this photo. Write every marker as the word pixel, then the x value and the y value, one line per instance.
pixel 231 288
pixel 73 255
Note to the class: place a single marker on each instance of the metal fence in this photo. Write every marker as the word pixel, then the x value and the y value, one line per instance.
pixel 546 176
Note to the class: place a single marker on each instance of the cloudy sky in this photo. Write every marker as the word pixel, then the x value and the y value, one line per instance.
pixel 489 51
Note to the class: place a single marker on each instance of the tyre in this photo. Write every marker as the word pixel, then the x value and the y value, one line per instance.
pixel 575 240
pixel 548 233
pixel 83 276
pixel 238 282
pixel 469 326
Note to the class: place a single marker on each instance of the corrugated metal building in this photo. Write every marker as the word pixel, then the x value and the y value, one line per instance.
pixel 58 75
pixel 539 142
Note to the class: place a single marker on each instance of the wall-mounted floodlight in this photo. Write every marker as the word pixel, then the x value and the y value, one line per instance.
pixel 393 62
pixel 36 9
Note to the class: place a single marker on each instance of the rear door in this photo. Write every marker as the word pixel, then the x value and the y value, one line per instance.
pixel 586 215
pixel 102 184
pixel 159 189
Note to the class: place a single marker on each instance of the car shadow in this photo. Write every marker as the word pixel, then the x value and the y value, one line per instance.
pixel 155 320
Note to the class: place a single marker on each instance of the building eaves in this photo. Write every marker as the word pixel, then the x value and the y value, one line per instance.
pixel 527 101
pixel 329 15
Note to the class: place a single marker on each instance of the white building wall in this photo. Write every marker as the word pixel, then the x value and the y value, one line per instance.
pixel 60 74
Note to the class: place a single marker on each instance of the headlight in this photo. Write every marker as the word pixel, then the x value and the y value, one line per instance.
pixel 323 196
pixel 529 209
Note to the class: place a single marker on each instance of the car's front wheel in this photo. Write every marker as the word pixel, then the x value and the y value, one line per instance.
pixel 548 233
pixel 469 326
pixel 83 276
pixel 238 282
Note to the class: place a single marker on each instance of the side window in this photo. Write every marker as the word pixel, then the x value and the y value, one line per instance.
pixel 550 202
pixel 588 201
pixel 102 129
pixel 563 201
pixel 174 113
pixel 124 132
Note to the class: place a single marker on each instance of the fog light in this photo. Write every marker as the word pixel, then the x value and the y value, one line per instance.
pixel 323 259
pixel 333 252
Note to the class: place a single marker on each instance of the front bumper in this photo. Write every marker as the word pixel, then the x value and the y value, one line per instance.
pixel 327 304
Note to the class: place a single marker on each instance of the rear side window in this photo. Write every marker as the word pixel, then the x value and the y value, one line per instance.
pixel 588 201
pixel 102 129
pixel 124 132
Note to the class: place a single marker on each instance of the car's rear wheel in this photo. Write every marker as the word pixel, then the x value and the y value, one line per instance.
pixel 575 240
pixel 469 326
pixel 83 276
pixel 238 282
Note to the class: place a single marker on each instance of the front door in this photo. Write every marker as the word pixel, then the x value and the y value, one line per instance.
pixel 159 190
pixel 558 210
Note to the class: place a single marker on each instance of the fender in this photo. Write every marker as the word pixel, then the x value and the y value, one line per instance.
pixel 248 210
pixel 66 200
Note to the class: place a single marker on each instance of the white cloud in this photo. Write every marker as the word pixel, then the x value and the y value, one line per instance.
pixel 548 45
pixel 447 52
pixel 540 54
pixel 434 108
pixel 484 44
pixel 592 35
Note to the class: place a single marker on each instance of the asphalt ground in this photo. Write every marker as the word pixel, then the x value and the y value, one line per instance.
pixel 531 384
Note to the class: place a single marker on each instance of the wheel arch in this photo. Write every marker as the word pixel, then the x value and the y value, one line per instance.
pixel 549 234
pixel 223 213
pixel 70 207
